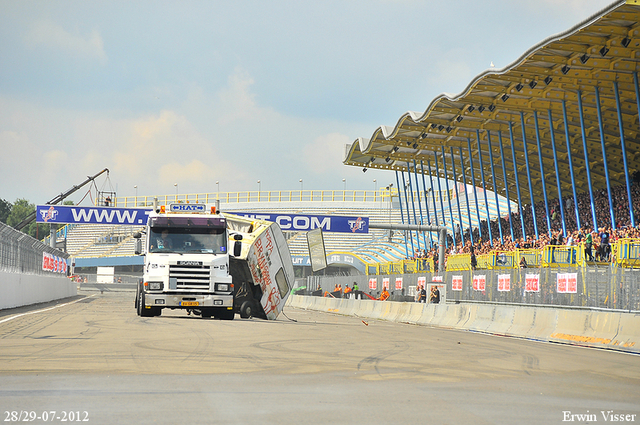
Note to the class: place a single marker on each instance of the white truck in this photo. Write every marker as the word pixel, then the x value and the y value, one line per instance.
pixel 188 264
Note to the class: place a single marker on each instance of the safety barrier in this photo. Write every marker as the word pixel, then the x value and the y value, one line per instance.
pixel 459 262
pixel 626 252
pixel 585 327
pixel 419 265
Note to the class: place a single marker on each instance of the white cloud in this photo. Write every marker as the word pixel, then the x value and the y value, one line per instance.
pixel 325 153
pixel 448 73
pixel 51 35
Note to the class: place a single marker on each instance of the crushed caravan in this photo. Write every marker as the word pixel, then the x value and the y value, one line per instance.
pixel 188 264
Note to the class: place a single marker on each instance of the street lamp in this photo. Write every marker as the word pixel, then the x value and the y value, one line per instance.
pixel 259 186
pixel 176 186
pixel 136 198
pixel 218 185
pixel 301 185
pixel 345 183
pixel 390 205
pixel 375 185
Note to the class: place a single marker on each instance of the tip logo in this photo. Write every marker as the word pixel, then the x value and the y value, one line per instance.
pixel 49 214
pixel 356 225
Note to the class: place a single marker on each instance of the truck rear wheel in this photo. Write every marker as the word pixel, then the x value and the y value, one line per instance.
pixel 246 310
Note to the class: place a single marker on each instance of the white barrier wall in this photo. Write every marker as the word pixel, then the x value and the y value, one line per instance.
pixel 17 290
pixel 593 328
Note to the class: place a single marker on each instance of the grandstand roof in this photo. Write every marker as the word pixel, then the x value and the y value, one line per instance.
pixel 561 70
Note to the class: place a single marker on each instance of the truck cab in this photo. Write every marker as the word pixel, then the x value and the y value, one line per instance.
pixel 186 263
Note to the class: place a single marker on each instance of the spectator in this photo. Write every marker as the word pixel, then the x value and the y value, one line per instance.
pixel 435 295
pixel 385 294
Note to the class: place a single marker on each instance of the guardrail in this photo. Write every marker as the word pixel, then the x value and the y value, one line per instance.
pixel 380 195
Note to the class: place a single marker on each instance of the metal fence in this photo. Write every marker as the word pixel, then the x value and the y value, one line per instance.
pixel 20 253
pixel 591 286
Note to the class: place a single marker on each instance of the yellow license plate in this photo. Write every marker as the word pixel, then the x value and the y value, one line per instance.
pixel 189 303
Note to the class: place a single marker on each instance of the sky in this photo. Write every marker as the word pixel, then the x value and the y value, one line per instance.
pixel 235 92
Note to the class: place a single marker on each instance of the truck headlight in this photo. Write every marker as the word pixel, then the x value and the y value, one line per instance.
pixel 155 286
pixel 222 287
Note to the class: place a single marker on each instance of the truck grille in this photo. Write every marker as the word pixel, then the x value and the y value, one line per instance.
pixel 190 277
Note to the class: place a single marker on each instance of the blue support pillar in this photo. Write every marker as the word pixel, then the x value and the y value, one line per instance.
pixel 406 248
pixel 635 83
pixel 413 203
pixel 426 203
pixel 440 195
pixel 544 185
pixel 623 147
pixel 506 186
pixel 495 187
pixel 446 182
pixel 570 159
pixel 586 161
pixel 415 172
pixel 466 195
pixel 484 187
pixel 433 194
pixel 555 164
pixel 475 188
pixel 515 173
pixel 526 160
pixel 455 180
pixel 406 198
pixel 604 158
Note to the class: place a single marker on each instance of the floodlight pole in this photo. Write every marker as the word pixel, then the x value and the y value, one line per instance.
pixel 442 231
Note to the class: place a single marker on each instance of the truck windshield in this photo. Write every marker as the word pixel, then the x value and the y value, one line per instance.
pixel 188 240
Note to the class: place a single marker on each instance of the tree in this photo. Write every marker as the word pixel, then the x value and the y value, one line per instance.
pixel 20 210
pixel 5 210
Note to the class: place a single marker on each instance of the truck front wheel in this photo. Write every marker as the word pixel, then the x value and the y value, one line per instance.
pixel 142 310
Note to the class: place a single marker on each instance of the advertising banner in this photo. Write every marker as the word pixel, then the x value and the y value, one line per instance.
pixel 532 283
pixel 92 215
pixel 302 222
pixel 422 281
pixel 398 283
pixel 52 263
pixel 385 282
pixel 479 282
pixel 456 283
pixel 504 282
pixel 373 283
pixel 567 283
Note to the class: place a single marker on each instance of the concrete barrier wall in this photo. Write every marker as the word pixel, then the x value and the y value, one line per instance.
pixel 17 290
pixel 592 328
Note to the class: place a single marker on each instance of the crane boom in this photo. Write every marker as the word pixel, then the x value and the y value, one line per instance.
pixel 59 198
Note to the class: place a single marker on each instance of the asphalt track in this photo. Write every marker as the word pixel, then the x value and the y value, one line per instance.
pixel 93 356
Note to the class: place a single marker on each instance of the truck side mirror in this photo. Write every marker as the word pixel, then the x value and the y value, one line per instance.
pixel 138 247
pixel 237 248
